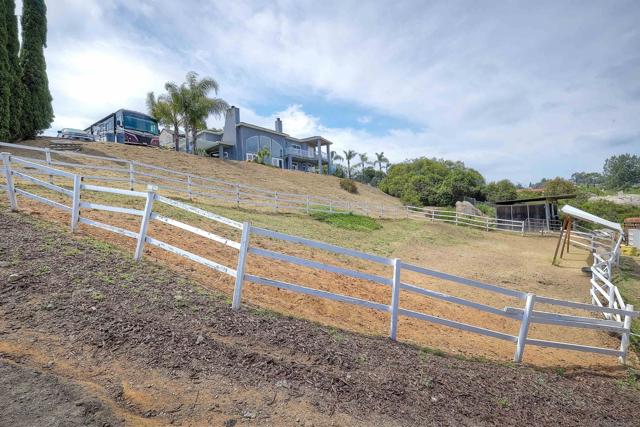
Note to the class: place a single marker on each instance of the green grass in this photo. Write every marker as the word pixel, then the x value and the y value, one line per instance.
pixel 627 280
pixel 347 221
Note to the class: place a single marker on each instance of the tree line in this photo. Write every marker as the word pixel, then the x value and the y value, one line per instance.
pixel 358 166
pixel 439 182
pixel 186 106
pixel 25 100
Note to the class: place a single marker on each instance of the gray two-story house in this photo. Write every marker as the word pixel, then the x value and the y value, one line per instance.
pixel 242 141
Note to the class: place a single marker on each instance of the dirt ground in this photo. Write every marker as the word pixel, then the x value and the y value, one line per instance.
pixel 511 261
pixel 112 341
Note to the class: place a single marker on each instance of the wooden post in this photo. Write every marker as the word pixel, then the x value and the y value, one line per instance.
pixel 568 238
pixel 75 202
pixel 11 190
pixel 242 261
pixel 624 342
pixel 524 327
pixel 308 205
pixel 189 187
pixel 238 195
pixel 395 300
pixel 555 255
pixel 144 225
pixel 275 198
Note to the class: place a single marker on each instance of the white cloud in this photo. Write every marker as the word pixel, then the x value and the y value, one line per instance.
pixel 511 90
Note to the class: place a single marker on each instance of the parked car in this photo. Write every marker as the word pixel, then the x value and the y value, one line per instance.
pixel 69 133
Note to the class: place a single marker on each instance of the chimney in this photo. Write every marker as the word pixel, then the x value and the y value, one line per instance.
pixel 278 125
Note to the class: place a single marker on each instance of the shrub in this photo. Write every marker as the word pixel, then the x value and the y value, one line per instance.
pixel 348 185
pixel 432 182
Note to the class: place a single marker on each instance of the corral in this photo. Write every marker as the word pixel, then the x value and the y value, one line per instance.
pixel 348 276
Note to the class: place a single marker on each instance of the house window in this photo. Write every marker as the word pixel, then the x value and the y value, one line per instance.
pixel 253 144
pixel 277 162
pixel 256 143
pixel 294 166
pixel 296 146
pixel 251 157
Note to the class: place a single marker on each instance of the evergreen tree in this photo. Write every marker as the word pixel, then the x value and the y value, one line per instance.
pixel 37 113
pixel 5 77
pixel 15 86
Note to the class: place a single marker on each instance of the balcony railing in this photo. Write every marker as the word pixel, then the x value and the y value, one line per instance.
pixel 306 154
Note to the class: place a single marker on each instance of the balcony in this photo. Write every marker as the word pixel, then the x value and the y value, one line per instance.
pixel 305 154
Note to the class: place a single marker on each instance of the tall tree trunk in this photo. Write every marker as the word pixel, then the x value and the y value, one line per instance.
pixel 193 139
pixel 186 138
pixel 176 136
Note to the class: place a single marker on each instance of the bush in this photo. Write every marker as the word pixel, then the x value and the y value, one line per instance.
pixel 432 182
pixel 349 185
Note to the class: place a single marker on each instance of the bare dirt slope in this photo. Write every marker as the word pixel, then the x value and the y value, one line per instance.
pixel 247 173
pixel 154 348
pixel 522 263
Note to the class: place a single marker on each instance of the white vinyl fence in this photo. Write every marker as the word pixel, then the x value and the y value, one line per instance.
pixel 618 316
pixel 130 173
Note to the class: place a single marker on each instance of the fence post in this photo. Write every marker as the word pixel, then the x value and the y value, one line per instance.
pixel 523 228
pixel 456 217
pixel 524 327
pixel 132 179
pixel 242 262
pixel 47 156
pixel 330 205
pixel 624 342
pixel 11 191
pixel 395 300
pixel 238 195
pixel 144 225
pixel 189 187
pixel 275 198
pixel 75 202
pixel 612 295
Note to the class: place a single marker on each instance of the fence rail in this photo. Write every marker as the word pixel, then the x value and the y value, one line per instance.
pixel 238 194
pixel 618 315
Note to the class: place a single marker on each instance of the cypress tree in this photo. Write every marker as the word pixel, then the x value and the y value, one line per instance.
pixel 15 87
pixel 37 113
pixel 5 78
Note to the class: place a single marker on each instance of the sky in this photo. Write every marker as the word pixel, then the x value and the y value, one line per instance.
pixel 515 89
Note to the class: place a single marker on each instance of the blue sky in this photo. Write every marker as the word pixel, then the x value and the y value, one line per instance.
pixel 517 90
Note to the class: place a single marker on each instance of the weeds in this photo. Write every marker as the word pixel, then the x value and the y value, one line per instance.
pixel 632 380
pixel 425 352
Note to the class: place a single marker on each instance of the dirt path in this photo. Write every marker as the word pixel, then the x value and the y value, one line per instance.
pixel 154 348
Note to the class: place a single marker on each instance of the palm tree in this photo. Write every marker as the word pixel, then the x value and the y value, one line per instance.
pixel 380 159
pixel 197 105
pixel 335 157
pixel 349 155
pixel 364 159
pixel 166 110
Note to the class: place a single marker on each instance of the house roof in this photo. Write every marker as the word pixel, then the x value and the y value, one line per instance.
pixel 586 216
pixel 323 141
pixel 536 199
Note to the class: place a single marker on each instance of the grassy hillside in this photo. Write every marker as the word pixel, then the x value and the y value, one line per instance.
pixel 253 174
